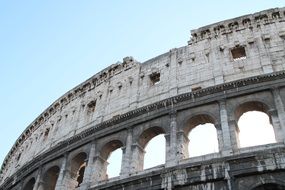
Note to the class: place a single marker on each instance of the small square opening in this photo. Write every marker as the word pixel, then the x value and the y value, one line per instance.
pixel 91 106
pixel 238 53
pixel 154 78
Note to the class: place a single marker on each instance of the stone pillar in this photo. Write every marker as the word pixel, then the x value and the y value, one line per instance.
pixel 127 155
pixel 38 180
pixel 182 146
pixel 60 183
pixel 220 136
pixel 171 153
pixel 90 168
pixel 137 158
pixel 100 173
pixel 228 131
pixel 279 124
pixel 173 87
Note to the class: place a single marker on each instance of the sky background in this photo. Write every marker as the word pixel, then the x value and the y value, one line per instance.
pixel 49 47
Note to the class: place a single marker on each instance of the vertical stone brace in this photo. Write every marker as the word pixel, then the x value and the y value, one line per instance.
pixel 60 184
pixel 127 155
pixel 90 168
pixel 229 139
pixel 171 156
pixel 280 113
pixel 38 180
pixel 173 87
pixel 137 158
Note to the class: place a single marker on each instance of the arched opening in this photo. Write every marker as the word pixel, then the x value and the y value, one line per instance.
pixel 269 186
pixel 152 147
pixel 78 164
pixel 254 120
pixel 30 184
pixel 202 135
pixel 155 152
pixel 115 160
pixel 50 178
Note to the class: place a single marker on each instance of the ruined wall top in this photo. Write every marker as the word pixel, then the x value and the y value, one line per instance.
pixel 251 21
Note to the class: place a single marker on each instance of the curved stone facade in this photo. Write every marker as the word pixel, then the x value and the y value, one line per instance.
pixel 227 69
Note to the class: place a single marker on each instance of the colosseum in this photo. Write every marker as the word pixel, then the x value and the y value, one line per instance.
pixel 226 69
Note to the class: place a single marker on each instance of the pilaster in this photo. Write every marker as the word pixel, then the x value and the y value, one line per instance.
pixel 280 115
pixel 127 155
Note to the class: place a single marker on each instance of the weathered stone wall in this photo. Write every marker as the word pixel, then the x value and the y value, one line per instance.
pixel 224 68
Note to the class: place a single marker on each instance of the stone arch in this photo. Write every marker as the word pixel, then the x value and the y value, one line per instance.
pixel 270 186
pixel 139 148
pixel 105 152
pixel 195 121
pixel 248 106
pixel 50 178
pixel 30 184
pixel 148 134
pixel 198 119
pixel 251 106
pixel 110 147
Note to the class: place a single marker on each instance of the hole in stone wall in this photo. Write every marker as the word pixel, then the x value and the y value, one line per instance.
pixel 91 106
pixel 255 129
pixel 203 140
pixel 154 78
pixel 47 132
pixel 238 53
pixel 80 175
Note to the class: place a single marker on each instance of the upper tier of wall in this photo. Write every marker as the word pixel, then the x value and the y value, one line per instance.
pixel 226 51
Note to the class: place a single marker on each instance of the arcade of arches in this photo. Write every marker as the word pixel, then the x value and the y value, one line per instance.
pixel 90 163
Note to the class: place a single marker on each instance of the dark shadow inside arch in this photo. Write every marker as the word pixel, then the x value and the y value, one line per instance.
pixel 78 164
pixel 50 178
pixel 269 186
pixel 30 185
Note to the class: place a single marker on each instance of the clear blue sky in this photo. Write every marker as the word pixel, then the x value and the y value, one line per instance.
pixel 48 47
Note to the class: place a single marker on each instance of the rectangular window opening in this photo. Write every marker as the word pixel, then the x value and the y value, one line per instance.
pixel 154 78
pixel 238 53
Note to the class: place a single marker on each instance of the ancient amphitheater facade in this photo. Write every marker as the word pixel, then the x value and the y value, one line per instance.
pixel 227 69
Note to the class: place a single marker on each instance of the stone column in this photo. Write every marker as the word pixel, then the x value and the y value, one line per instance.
pixel 37 185
pixel 279 124
pixel 127 155
pixel 228 131
pixel 220 136
pixel 171 153
pixel 137 158
pixel 60 183
pixel 100 173
pixel 90 167
pixel 182 146
pixel 173 87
